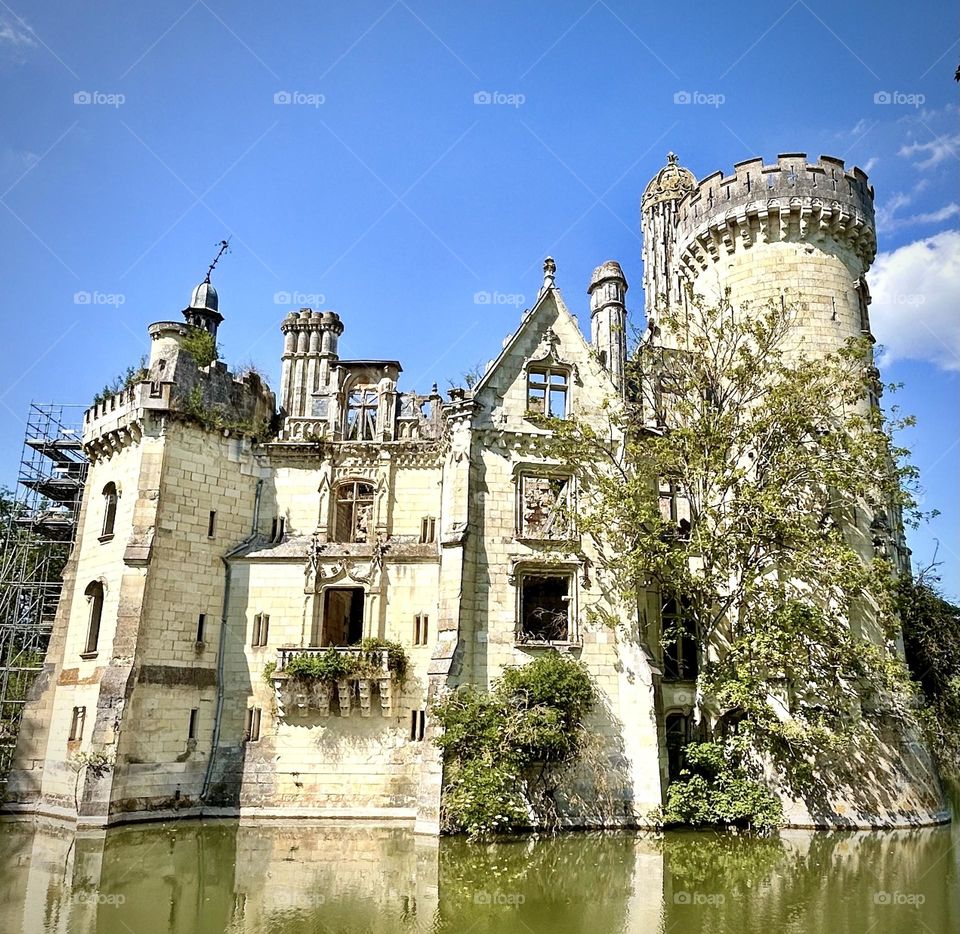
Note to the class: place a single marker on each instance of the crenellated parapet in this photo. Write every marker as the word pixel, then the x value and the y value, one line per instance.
pixel 792 200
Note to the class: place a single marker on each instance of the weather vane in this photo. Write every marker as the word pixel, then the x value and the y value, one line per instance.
pixel 224 248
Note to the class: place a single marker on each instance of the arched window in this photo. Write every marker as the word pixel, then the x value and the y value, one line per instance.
pixel 677 728
pixel 94 595
pixel 354 511
pixel 109 510
pixel 361 422
pixel 679 635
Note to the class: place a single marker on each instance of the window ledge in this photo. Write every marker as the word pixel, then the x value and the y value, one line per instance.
pixel 551 540
pixel 551 644
pixel 106 538
pixel 88 655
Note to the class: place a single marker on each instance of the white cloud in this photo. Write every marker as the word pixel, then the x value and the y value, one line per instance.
pixel 916 297
pixel 934 151
pixel 15 32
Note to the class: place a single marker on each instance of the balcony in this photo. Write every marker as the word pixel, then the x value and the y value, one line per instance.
pixel 307 678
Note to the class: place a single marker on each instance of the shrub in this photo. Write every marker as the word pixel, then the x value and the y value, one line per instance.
pixel 333 665
pixel 201 345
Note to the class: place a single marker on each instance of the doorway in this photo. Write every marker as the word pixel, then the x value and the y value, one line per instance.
pixel 342 621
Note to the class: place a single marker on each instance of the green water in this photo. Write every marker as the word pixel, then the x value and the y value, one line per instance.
pixel 323 878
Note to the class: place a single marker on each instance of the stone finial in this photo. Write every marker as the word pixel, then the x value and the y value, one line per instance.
pixel 671 183
pixel 549 273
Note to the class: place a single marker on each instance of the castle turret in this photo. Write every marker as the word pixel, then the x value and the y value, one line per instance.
pixel 204 308
pixel 608 318
pixel 309 349
pixel 658 213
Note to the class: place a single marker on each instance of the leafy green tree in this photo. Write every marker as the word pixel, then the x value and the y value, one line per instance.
pixel 759 485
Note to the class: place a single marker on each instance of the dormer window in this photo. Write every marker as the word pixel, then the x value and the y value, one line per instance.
pixel 362 404
pixel 354 511
pixel 547 391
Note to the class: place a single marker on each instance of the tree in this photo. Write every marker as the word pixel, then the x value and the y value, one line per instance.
pixel 759 486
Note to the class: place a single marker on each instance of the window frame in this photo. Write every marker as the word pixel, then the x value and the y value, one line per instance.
pixel 260 636
pixel 681 658
pixel 253 721
pixel 358 428
pixel 78 721
pixel 540 379
pixel 568 490
pixel 354 502
pixel 572 636
pixel 95 593
pixel 111 498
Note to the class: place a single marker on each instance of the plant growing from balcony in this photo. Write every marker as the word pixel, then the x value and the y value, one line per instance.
pixel 364 661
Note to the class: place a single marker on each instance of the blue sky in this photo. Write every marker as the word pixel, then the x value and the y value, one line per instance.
pixel 136 136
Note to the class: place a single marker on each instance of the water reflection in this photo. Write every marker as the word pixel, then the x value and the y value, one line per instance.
pixel 349 878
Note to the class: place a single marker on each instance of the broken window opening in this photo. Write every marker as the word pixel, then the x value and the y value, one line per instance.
pixel 354 512
pixel 544 507
pixel 680 650
pixel 362 404
pixel 545 607
pixel 341 620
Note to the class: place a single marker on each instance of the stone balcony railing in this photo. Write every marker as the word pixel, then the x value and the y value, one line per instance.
pixel 301 696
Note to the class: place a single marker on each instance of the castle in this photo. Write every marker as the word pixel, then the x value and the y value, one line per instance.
pixel 212 553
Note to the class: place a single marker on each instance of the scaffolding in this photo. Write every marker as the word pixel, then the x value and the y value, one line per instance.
pixel 37 530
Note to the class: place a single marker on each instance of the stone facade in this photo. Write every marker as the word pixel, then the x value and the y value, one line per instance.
pixel 220 538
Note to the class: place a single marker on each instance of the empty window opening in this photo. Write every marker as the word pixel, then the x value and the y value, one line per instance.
pixel 362 404
pixel 679 635
pixel 212 524
pixel 76 723
pixel 544 507
pixel 545 607
pixel 547 392
pixel 201 627
pixel 261 629
pixel 94 595
pixel 192 725
pixel 418 724
pixel 354 512
pixel 278 529
pixel 428 530
pixel 109 511
pixel 251 729
pixel 677 729
pixel 421 626
pixel 342 622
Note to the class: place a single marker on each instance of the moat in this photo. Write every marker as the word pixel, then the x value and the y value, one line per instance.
pixel 189 877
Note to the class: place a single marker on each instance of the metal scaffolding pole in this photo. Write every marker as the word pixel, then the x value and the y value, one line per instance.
pixel 37 531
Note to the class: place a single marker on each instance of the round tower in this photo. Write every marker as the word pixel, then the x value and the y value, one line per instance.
pixel 310 341
pixel 608 318
pixel 795 231
pixel 204 308
pixel 658 222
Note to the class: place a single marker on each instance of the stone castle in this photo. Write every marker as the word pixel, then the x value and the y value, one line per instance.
pixel 211 553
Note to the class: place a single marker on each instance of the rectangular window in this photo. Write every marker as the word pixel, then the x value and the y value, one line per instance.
pixel 342 616
pixel 547 391
pixel 545 507
pixel 545 607
pixel 212 524
pixel 76 723
pixel 428 530
pixel 201 627
pixel 261 630
pixel 278 528
pixel 678 635
pixel 418 724
pixel 251 730
pixel 192 725
pixel 421 626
